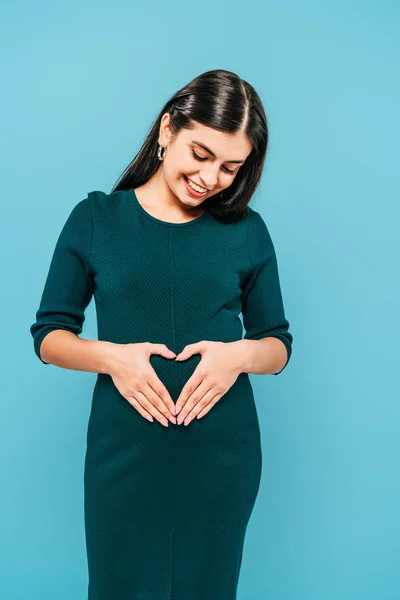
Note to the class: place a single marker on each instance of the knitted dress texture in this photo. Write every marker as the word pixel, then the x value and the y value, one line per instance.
pixel 166 508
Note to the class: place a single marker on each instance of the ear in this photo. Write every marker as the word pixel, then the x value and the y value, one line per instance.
pixel 165 133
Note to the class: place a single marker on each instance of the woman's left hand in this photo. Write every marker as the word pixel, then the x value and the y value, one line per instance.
pixel 214 375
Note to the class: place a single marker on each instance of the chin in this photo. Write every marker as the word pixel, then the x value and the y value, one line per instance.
pixel 187 200
pixel 190 202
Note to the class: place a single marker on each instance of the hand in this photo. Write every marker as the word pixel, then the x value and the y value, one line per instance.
pixel 212 378
pixel 137 382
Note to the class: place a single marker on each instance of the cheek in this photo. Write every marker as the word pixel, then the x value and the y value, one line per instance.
pixel 180 165
pixel 227 180
pixel 174 167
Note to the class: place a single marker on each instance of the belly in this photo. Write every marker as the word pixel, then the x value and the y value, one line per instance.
pixel 231 423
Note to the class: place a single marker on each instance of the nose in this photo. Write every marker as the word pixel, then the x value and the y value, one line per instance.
pixel 209 176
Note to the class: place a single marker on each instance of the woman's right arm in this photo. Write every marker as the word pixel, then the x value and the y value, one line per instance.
pixel 67 291
pixel 67 350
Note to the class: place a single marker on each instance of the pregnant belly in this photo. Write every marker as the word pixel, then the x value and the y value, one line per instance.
pixel 233 417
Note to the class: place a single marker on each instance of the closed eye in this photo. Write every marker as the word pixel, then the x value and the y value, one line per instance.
pixel 202 158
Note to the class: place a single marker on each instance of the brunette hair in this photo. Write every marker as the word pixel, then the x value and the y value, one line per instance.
pixel 222 100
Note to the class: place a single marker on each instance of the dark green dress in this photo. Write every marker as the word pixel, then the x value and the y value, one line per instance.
pixel 166 508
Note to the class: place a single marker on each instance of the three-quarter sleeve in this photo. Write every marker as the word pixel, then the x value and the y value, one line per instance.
pixel 69 284
pixel 262 304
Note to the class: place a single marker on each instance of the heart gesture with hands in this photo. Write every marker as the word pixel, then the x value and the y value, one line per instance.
pixel 214 375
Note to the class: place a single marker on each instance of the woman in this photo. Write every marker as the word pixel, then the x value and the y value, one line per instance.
pixel 172 255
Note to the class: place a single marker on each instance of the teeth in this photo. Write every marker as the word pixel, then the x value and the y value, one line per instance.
pixel 195 187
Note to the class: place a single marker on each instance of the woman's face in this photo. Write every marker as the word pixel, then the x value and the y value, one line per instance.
pixel 209 158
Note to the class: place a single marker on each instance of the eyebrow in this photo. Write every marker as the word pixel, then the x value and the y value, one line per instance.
pixel 212 153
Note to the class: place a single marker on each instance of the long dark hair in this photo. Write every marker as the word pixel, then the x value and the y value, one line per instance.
pixel 222 100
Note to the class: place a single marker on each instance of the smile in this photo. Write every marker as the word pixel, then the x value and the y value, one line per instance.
pixel 195 186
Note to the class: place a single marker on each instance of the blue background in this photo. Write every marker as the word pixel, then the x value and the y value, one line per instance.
pixel 81 84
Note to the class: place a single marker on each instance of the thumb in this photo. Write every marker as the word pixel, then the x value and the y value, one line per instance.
pixel 189 350
pixel 163 350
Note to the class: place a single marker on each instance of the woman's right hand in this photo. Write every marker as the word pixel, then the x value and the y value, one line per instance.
pixel 137 381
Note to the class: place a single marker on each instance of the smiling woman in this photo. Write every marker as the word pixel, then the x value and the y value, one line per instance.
pixel 190 174
pixel 171 268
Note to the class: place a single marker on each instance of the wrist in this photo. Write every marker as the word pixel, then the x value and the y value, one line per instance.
pixel 244 355
pixel 106 356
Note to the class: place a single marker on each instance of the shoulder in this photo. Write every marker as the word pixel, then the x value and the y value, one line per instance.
pixel 99 197
pixel 94 209
pixel 107 204
pixel 258 235
pixel 89 207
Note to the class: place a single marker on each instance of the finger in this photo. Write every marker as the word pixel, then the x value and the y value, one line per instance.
pixel 209 406
pixel 190 386
pixel 204 402
pixel 191 400
pixel 196 397
pixel 139 408
pixel 155 399
pixel 141 398
pixel 190 349
pixel 161 349
pixel 159 388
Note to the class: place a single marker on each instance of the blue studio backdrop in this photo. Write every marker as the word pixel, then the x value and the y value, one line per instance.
pixel 82 83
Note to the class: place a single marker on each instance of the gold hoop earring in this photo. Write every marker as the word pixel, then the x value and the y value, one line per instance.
pixel 161 156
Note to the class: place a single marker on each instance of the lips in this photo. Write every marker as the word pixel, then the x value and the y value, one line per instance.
pixel 188 178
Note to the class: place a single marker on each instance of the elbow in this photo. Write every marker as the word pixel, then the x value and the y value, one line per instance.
pixel 40 331
pixel 286 339
pixel 281 332
pixel 39 346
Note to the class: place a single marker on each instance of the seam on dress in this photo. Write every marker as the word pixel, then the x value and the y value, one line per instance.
pixel 171 288
pixel 90 198
pixel 88 266
pixel 173 514
pixel 92 230
pixel 247 241
pixel 173 431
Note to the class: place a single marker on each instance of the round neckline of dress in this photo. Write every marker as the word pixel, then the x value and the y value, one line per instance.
pixel 166 223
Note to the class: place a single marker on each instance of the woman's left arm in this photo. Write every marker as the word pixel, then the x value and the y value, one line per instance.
pixel 267 356
pixel 267 344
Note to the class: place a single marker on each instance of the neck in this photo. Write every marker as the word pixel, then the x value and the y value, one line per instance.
pixel 157 196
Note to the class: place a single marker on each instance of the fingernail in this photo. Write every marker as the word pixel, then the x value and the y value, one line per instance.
pixel 180 419
pixel 164 422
